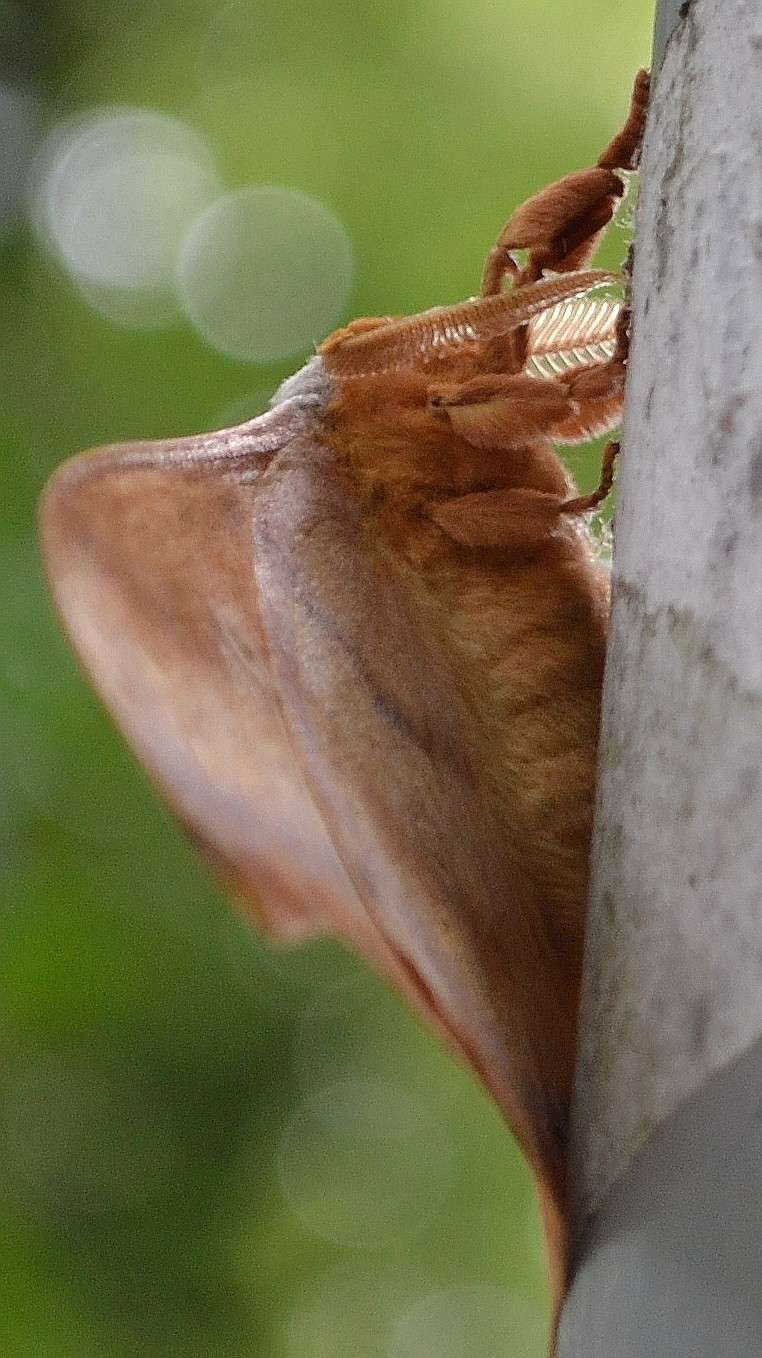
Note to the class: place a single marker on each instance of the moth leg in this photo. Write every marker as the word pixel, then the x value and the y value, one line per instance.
pixel 512 521
pixel 504 410
pixel 582 503
pixel 623 152
pixel 561 225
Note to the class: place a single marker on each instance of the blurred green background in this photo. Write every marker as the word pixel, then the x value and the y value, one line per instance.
pixel 206 1148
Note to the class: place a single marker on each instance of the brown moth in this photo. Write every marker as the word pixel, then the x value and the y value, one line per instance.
pixel 358 643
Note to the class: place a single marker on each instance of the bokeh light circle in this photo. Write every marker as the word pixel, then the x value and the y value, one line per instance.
pixel 469 1321
pixel 264 272
pixel 113 194
pixel 363 1163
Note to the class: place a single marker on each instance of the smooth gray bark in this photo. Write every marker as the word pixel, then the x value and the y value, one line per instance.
pixel 671 1264
pixel 673 986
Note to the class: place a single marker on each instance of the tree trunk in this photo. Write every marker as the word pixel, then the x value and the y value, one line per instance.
pixel 667 1154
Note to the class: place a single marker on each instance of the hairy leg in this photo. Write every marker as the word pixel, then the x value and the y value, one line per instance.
pixel 561 225
pixel 582 503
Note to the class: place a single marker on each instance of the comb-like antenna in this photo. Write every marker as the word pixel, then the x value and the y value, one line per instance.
pixel 572 335
pixel 438 333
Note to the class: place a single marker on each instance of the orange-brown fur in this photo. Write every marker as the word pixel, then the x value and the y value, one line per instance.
pixel 450 447
pixel 524 624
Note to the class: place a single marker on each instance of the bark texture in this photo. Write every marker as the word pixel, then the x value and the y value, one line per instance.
pixel 673 988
